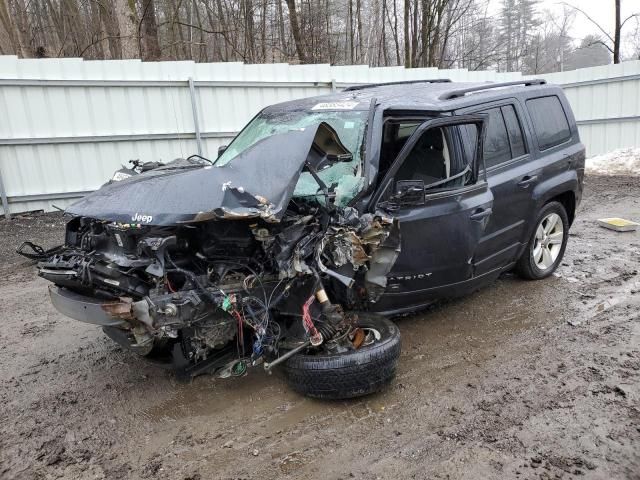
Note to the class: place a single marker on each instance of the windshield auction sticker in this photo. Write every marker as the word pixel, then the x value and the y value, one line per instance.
pixel 335 106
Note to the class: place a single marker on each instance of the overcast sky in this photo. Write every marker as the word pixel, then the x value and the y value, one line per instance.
pixel 601 11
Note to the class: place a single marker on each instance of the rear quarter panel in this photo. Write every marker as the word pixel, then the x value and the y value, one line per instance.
pixel 561 166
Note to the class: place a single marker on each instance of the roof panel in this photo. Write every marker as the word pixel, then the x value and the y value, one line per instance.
pixel 421 96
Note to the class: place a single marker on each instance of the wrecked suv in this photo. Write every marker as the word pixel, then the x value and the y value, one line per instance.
pixel 323 217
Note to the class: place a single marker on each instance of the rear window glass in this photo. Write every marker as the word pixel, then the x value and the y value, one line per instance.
pixel 549 121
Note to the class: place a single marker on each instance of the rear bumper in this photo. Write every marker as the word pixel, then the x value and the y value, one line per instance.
pixel 83 308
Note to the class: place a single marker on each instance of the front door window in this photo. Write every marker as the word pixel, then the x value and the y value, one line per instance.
pixel 434 158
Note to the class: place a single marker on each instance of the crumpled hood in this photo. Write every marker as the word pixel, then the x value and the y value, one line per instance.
pixel 257 183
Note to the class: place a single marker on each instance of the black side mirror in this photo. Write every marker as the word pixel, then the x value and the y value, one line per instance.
pixel 221 149
pixel 409 192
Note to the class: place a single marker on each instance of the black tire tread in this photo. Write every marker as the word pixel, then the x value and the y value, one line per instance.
pixel 354 374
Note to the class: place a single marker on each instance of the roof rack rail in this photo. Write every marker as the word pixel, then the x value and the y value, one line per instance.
pixel 463 91
pixel 403 82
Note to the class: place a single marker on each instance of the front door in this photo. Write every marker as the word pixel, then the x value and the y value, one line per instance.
pixel 443 207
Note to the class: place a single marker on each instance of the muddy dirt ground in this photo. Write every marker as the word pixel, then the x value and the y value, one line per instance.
pixel 520 380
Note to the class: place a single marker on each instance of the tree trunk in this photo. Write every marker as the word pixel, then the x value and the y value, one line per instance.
pixel 57 20
pixel 395 32
pixel 414 35
pixel 509 44
pixel 175 24
pixel 327 33
pixel 295 30
pixel 351 51
pixel 70 13
pixel 22 28
pixel 359 21
pixel 249 39
pixel 435 31
pixel 223 27
pixel 97 30
pixel 149 30
pixel 189 22
pixel 9 27
pixel 202 48
pixel 616 38
pixel 373 33
pixel 407 33
pixel 283 37
pixel 385 57
pixel 110 24
pixel 263 31
pixel 425 33
pixel 126 19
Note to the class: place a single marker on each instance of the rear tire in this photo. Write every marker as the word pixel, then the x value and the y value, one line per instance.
pixel 351 374
pixel 547 244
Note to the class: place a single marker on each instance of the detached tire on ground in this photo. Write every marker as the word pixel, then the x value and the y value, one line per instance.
pixel 351 374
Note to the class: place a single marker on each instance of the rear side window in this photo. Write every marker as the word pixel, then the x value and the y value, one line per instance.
pixel 515 131
pixel 504 139
pixel 496 144
pixel 549 121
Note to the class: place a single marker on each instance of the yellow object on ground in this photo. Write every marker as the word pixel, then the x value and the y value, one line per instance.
pixel 618 224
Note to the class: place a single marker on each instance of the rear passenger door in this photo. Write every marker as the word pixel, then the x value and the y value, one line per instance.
pixel 511 176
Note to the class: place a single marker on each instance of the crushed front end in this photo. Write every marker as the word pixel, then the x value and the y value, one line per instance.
pixel 201 295
pixel 186 264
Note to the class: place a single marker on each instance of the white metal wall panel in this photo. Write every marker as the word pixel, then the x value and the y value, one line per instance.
pixel 606 103
pixel 74 122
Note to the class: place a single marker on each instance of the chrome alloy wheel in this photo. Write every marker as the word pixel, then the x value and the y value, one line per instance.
pixel 548 242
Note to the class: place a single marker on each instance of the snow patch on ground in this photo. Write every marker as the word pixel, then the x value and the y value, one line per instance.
pixel 624 161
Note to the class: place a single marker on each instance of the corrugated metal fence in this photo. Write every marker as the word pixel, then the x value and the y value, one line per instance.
pixel 67 124
pixel 606 103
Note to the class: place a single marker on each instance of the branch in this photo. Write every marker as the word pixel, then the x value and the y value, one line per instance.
pixel 629 18
pixel 184 24
pixel 99 40
pixel 596 42
pixel 590 19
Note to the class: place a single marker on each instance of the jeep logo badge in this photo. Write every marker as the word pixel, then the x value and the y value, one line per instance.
pixel 137 218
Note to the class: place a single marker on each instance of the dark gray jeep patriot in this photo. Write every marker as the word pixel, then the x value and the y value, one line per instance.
pixel 322 218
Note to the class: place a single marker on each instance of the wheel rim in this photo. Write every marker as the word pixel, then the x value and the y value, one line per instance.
pixel 369 337
pixel 548 241
pixel 372 335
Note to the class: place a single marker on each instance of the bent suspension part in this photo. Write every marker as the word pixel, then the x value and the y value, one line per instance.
pixel 269 365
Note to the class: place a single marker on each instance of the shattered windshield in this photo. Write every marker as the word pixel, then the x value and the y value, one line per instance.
pixel 344 178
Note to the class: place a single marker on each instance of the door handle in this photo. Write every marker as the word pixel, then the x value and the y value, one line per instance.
pixel 481 214
pixel 527 180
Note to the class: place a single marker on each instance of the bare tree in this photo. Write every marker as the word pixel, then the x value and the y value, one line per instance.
pixel 148 32
pixel 634 40
pixel 127 28
pixel 12 41
pixel 295 29
pixel 20 22
pixel 413 33
pixel 407 34
pixel 611 43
